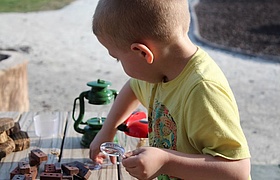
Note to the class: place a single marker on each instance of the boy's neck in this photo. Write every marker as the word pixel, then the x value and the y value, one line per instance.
pixel 175 58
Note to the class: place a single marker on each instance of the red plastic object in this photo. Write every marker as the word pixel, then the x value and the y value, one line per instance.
pixel 136 125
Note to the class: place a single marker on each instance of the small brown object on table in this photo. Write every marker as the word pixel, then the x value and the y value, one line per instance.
pixel 50 176
pixel 39 155
pixel 69 169
pixel 24 168
pixel 49 168
pixel 29 175
pixel 19 177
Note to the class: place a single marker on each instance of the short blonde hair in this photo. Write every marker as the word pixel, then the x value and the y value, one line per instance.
pixel 129 21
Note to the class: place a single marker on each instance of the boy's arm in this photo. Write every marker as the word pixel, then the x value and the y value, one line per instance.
pixel 202 166
pixel 150 162
pixel 124 104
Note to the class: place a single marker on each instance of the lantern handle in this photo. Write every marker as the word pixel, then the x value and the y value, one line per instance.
pixel 78 121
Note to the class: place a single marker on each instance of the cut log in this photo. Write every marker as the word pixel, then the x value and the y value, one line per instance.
pixel 6 124
pixel 13 82
pixel 7 147
pixel 3 137
pixel 21 140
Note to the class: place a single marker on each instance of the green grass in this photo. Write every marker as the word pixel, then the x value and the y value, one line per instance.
pixel 32 5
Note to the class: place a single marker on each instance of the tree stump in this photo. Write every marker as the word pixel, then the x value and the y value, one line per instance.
pixel 13 82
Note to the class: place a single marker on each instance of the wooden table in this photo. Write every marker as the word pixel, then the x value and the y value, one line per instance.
pixel 67 143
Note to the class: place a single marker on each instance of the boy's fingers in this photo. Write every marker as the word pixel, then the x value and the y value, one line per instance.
pixel 113 159
pixel 91 155
pixel 131 157
pixel 128 154
pixel 133 153
pixel 99 158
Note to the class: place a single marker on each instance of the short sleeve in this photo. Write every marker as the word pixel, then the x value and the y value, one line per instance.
pixel 213 125
pixel 139 89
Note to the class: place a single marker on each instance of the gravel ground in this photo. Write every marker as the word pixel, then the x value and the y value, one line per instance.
pixel 246 26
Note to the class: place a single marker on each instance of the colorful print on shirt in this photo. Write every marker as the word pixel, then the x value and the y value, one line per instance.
pixel 162 131
pixel 162 128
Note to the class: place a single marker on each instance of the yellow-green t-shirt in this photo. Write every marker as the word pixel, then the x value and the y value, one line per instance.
pixel 195 113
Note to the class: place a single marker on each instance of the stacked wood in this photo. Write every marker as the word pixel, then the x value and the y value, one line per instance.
pixel 12 139
pixel 29 170
pixel 24 171
pixel 70 171
pixel 7 147
pixel 13 82
pixel 51 171
pixel 21 140
pixel 76 170
pixel 7 144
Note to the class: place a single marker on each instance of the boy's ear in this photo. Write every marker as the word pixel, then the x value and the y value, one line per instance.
pixel 143 51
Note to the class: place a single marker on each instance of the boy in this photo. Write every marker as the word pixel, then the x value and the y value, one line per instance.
pixel 194 128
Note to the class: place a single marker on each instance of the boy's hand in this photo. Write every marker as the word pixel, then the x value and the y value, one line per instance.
pixel 145 162
pixel 94 149
pixel 95 154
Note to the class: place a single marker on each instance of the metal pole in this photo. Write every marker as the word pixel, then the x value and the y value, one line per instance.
pixel 119 167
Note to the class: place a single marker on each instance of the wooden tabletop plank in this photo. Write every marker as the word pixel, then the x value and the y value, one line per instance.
pixel 45 144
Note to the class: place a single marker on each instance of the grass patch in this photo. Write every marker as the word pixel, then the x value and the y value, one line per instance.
pixel 32 5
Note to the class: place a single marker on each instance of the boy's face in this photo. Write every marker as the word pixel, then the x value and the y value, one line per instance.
pixel 134 65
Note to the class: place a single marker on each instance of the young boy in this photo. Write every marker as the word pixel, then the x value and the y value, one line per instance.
pixel 194 128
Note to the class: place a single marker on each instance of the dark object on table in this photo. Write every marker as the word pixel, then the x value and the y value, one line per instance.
pixel 50 176
pixel 39 155
pixel 76 169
